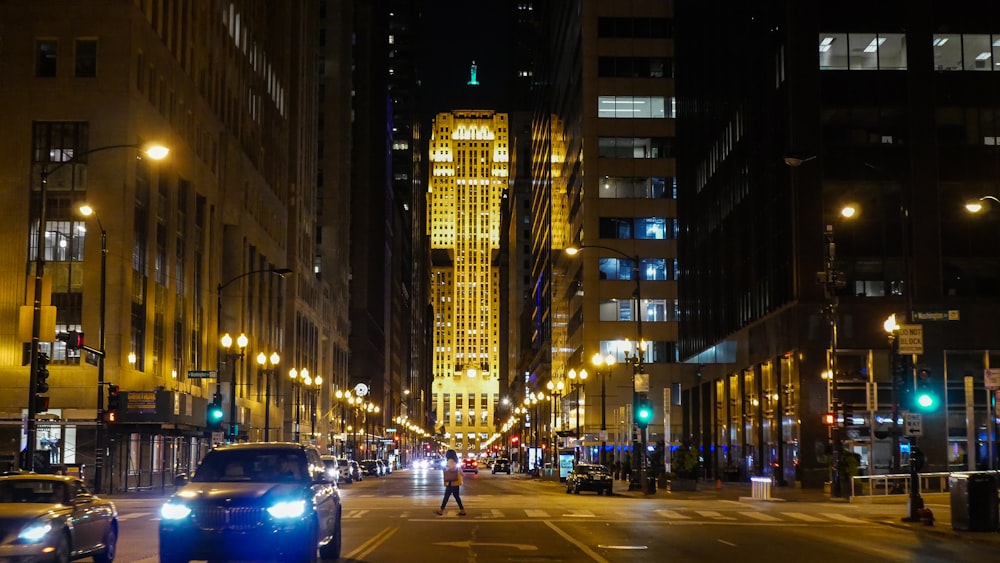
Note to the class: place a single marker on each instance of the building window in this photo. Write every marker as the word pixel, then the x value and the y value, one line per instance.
pixel 45 57
pixel 654 310
pixel 86 58
pixel 635 67
pixel 643 228
pixel 970 51
pixel 630 147
pixel 862 51
pixel 617 187
pixel 635 107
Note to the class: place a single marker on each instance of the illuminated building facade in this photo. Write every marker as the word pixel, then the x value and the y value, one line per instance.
pixel 469 158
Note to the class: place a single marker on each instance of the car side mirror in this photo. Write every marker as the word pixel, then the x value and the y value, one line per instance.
pixel 180 479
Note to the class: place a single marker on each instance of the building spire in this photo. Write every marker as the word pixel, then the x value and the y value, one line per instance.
pixel 472 75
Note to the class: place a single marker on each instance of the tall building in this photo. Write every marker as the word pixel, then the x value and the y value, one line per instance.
pixel 892 110
pixel 603 166
pixel 469 157
pixel 194 243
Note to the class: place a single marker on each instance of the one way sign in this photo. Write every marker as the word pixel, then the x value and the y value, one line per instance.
pixel 913 424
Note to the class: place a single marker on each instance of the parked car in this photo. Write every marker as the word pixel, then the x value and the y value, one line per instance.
pixel 55 518
pixel 253 501
pixel 589 477
pixel 501 465
pixel 382 469
pixel 356 472
pixel 387 466
pixel 470 466
pixel 370 467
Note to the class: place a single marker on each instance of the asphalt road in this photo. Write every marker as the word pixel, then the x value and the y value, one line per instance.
pixel 514 518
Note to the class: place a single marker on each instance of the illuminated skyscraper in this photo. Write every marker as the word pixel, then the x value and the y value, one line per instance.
pixel 469 157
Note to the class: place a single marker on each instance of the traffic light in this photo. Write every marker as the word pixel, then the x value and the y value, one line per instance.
pixel 41 385
pixel 643 411
pixel 925 398
pixel 214 416
pixel 74 340
pixel 114 403
pixel 848 415
pixel 829 418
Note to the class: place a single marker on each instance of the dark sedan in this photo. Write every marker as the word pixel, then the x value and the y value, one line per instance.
pixel 501 465
pixel 54 518
pixel 254 501
pixel 589 477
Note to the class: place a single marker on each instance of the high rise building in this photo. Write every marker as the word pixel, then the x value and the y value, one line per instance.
pixel 469 157
pixel 891 111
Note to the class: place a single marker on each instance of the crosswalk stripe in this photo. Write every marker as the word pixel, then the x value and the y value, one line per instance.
pixel 535 513
pixel 133 515
pixel 672 514
pixel 579 514
pixel 761 516
pixel 803 517
pixel 842 518
pixel 355 513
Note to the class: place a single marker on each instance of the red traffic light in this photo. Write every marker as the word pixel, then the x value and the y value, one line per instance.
pixel 74 340
pixel 829 419
pixel 111 417
pixel 515 440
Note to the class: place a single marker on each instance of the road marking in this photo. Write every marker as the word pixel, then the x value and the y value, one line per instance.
pixel 494 513
pixel 803 517
pixel 355 513
pixel 729 543
pixel 469 543
pixel 673 514
pixel 761 516
pixel 369 546
pixel 714 514
pixel 579 514
pixel 633 547
pixel 843 518
pixel 535 513
pixel 569 537
pixel 132 515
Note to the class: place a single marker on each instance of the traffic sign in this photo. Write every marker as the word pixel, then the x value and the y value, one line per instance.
pixel 913 424
pixel 201 374
pixel 991 377
pixel 911 339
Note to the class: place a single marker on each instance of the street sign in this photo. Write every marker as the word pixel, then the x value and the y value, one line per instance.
pixel 872 396
pixel 913 424
pixel 911 339
pixel 992 378
pixel 201 374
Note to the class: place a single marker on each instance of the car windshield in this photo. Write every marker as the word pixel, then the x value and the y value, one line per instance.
pixel 38 491
pixel 591 469
pixel 260 466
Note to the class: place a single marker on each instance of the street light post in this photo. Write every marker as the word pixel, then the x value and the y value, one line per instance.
pixel 155 152
pixel 87 211
pixel 297 377
pixel 268 369
pixel 242 341
pixel 576 385
pixel 598 360
pixel 640 381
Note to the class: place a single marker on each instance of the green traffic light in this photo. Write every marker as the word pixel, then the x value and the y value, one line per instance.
pixel 925 401
pixel 215 413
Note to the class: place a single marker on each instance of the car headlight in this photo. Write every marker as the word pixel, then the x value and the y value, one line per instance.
pixel 287 509
pixel 35 532
pixel 174 511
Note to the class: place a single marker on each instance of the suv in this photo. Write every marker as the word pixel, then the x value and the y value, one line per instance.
pixel 338 468
pixel 251 501
pixel 589 477
pixel 370 467
pixel 501 465
pixel 470 466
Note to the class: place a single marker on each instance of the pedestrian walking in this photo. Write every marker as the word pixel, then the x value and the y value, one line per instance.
pixel 452 482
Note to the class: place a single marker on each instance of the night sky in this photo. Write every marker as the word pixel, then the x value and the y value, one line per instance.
pixel 455 33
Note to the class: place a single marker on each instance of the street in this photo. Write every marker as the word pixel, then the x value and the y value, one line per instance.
pixel 515 518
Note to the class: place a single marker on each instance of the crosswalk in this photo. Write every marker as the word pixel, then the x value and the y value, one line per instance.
pixel 664 515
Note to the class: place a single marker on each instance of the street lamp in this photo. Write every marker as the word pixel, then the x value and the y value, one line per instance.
pixel 155 152
pixel 268 365
pixel 241 344
pixel 555 393
pixel 598 360
pixel 313 388
pixel 87 211
pixel 640 381
pixel 298 378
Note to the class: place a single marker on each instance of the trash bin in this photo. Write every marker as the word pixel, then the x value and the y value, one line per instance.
pixel 974 504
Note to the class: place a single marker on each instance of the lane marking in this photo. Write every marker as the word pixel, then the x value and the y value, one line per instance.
pixel 369 546
pixel 803 517
pixel 355 513
pixel 632 547
pixel 761 516
pixel 714 515
pixel 729 543
pixel 566 536
pixel 843 518
pixel 535 513
pixel 579 514
pixel 673 514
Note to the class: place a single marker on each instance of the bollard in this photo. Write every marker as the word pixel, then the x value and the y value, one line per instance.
pixel 761 488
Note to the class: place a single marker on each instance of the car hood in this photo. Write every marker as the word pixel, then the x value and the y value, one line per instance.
pixel 11 513
pixel 233 491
